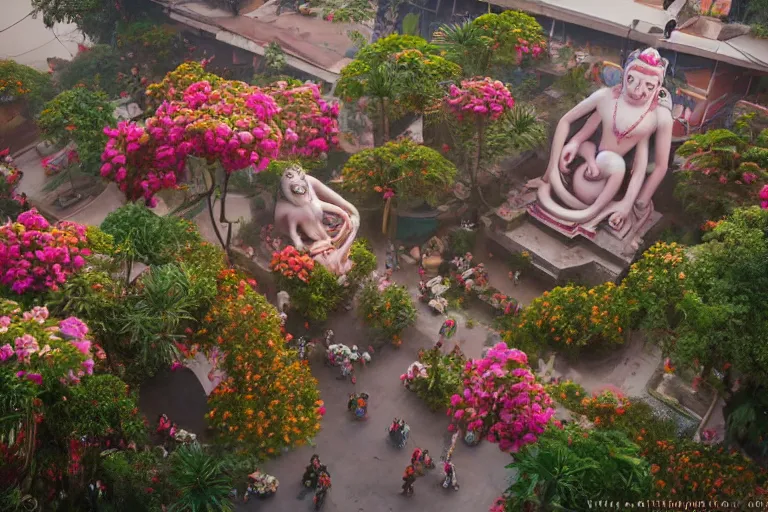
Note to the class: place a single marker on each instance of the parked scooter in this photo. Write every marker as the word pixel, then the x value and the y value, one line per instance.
pixel 398 432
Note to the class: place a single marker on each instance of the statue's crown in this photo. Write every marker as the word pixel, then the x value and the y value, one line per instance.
pixel 649 57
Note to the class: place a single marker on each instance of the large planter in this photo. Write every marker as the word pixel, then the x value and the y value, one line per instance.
pixel 417 225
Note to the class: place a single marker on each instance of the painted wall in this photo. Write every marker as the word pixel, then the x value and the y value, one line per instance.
pixel 30 42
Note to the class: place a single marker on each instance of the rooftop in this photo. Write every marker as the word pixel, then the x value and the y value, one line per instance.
pixel 618 16
pixel 311 44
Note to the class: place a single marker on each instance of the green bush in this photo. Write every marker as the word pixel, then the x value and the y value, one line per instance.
pixel 444 377
pixel 23 82
pixel 97 69
pixel 461 241
pixel 387 312
pixel 147 237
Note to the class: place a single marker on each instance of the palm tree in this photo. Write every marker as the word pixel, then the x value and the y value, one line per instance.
pixel 464 45
pixel 200 480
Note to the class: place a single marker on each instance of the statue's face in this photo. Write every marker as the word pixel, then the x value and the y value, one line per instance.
pixel 294 185
pixel 641 84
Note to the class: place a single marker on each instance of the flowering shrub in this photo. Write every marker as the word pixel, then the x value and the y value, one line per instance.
pixel 307 121
pixel 290 263
pixel 512 36
pixel 486 98
pixel 571 317
pixel 269 399
pixel 402 169
pixel 174 84
pixel 388 312
pixel 78 115
pixel 42 350
pixel 721 171
pixel 502 400
pixel 18 81
pixel 442 380
pixel 656 283
pixel 36 256
pixel 230 122
pixel 314 290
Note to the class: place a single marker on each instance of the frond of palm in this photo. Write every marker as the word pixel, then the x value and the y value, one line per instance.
pixel 461 42
pixel 381 81
pixel 549 476
pixel 525 128
pixel 200 481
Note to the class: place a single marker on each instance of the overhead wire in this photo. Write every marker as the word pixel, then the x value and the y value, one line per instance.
pixel 13 25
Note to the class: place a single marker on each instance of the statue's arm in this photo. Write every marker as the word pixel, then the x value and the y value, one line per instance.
pixel 639 166
pixel 564 125
pixel 325 193
pixel 661 158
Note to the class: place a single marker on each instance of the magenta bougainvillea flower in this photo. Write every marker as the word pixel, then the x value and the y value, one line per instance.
pixel 37 256
pixel 485 98
pixel 502 400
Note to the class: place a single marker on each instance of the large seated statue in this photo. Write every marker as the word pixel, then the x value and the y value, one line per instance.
pixel 306 207
pixel 581 186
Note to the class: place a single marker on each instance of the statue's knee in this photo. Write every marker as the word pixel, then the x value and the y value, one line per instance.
pixel 610 163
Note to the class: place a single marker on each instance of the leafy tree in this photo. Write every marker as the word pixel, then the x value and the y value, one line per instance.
pixel 400 74
pixel 79 115
pixel 724 322
pixel 98 19
pixel 200 480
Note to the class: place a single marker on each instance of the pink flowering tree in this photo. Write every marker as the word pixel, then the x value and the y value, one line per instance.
pixel 230 125
pixel 501 400
pixel 36 256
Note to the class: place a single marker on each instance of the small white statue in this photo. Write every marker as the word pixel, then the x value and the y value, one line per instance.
pixel 299 210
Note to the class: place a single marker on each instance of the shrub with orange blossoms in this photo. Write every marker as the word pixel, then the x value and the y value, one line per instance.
pixel 290 263
pixel 571 317
pixel 269 398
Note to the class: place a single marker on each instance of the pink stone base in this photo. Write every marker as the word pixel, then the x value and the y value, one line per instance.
pixel 568 229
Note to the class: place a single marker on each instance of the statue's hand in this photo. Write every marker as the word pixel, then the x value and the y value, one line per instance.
pixel 567 155
pixel 620 217
pixel 593 172
pixel 299 245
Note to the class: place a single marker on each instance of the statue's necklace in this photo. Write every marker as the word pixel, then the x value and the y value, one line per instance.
pixel 621 135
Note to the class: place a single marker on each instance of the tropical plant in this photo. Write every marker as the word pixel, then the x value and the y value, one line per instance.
pixel 134 480
pixel 389 311
pixel 78 116
pixel 96 69
pixel 11 203
pixel 492 40
pixel 501 400
pixel 148 237
pixel 200 480
pixel 570 468
pixel 722 170
pixel 18 81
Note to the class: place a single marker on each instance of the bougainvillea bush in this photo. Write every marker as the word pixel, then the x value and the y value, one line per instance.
pixel 226 122
pixel 501 400
pixel 269 399
pixel 486 98
pixel 389 311
pixel 401 169
pixel 315 291
pixel 38 352
pixel 36 256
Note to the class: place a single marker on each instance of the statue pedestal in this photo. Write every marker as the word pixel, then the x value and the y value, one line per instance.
pixel 562 252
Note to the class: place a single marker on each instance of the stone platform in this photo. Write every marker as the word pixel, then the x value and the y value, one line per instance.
pixel 562 257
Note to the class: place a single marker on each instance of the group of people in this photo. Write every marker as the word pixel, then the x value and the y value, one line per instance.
pixel 420 461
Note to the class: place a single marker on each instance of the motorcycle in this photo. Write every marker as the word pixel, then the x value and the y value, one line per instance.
pixel 304 346
pixel 323 486
pixel 398 432
pixel 358 405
